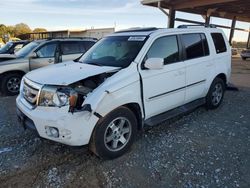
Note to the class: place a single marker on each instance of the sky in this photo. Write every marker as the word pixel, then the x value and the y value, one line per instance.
pixel 86 14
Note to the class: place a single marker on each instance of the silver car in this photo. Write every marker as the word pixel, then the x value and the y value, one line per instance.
pixel 245 54
pixel 38 54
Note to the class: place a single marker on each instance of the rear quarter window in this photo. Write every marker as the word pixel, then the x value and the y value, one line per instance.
pixel 72 47
pixel 88 44
pixel 219 42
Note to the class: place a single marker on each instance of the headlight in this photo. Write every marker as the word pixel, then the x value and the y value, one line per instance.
pixel 54 96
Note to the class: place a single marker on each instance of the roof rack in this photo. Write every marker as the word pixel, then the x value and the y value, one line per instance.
pixel 200 25
pixel 138 29
pixel 51 38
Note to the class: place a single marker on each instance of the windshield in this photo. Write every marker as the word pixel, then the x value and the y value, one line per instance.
pixel 116 51
pixel 6 47
pixel 27 49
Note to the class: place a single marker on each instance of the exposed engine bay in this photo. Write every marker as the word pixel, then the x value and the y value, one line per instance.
pixel 82 88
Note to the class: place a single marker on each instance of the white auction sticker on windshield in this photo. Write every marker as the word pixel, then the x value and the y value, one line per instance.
pixel 136 38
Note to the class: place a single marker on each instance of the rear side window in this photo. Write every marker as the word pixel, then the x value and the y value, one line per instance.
pixel 72 48
pixel 205 44
pixel 166 48
pixel 219 42
pixel 195 45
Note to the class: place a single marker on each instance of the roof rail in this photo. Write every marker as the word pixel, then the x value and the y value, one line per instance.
pixel 51 38
pixel 200 25
pixel 138 29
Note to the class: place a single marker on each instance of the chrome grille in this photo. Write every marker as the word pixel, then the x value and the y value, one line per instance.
pixel 30 92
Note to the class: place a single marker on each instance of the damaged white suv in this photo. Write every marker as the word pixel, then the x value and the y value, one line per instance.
pixel 126 81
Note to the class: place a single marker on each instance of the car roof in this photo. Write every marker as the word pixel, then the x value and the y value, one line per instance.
pixel 153 30
pixel 73 39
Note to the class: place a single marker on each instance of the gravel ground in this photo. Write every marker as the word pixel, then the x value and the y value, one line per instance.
pixel 201 149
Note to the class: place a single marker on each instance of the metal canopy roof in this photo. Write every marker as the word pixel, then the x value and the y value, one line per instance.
pixel 217 8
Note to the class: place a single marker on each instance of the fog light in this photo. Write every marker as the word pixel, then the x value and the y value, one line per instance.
pixel 52 132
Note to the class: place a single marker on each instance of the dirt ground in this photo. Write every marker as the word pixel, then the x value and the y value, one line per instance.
pixel 201 149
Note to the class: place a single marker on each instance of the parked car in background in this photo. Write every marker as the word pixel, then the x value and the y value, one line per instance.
pixel 245 54
pixel 127 80
pixel 38 54
pixel 12 47
pixel 234 51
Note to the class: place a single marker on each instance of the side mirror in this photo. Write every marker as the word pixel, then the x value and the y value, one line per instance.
pixel 154 63
pixel 33 55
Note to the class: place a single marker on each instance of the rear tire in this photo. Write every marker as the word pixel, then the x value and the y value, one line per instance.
pixel 11 84
pixel 215 94
pixel 114 134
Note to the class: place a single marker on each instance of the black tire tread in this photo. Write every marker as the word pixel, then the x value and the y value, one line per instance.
pixel 96 145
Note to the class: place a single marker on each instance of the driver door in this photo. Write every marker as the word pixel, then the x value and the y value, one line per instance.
pixel 45 56
pixel 164 89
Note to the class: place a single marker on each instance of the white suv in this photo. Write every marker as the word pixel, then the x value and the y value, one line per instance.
pixel 126 81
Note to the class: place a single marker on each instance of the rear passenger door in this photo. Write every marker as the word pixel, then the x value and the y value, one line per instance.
pixel 198 63
pixel 71 50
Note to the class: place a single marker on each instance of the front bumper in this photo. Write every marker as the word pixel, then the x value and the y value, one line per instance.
pixel 74 129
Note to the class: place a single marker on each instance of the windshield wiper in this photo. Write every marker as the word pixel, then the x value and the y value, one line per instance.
pixel 94 63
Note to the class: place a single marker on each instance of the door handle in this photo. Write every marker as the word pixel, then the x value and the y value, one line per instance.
pixel 209 65
pixel 50 60
pixel 179 73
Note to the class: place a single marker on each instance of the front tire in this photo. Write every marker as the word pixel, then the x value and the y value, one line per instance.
pixel 114 134
pixel 215 94
pixel 11 84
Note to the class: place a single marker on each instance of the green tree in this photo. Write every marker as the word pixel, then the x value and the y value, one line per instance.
pixel 3 33
pixel 37 30
pixel 11 30
pixel 21 29
pixel 3 30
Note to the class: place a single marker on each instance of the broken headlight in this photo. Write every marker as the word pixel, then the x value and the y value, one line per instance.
pixel 54 96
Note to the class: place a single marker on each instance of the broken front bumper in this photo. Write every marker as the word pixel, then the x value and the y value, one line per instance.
pixel 74 129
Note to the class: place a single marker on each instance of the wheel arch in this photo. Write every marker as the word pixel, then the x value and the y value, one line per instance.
pixel 136 109
pixel 223 77
pixel 22 73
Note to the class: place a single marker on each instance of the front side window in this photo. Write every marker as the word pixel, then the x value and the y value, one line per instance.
pixel 193 45
pixel 116 51
pixel 47 50
pixel 165 48
pixel 219 42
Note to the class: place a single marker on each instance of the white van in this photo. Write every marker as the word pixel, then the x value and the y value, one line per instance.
pixel 126 81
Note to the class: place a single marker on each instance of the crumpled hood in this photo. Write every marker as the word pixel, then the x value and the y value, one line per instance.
pixel 66 73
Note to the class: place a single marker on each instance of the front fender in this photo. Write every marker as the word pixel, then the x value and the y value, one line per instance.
pixel 112 100
pixel 20 66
